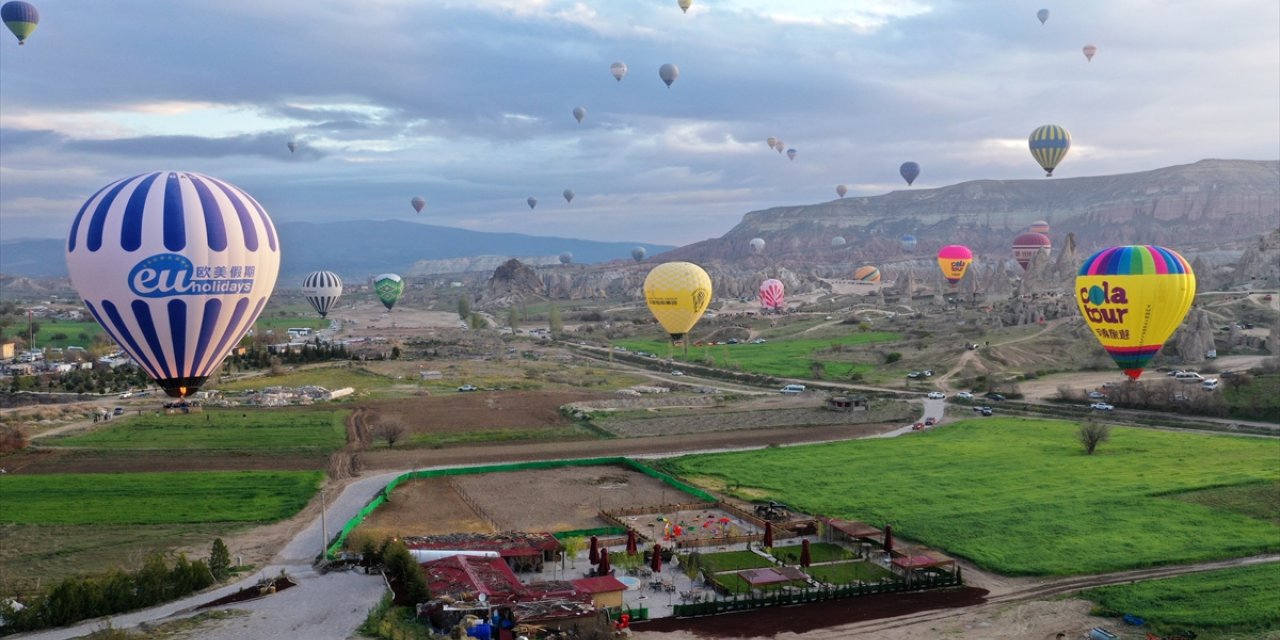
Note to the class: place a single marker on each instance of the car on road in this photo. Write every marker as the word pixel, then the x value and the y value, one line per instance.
pixel 914 374
pixel 964 395
pixel 986 411
pixel 929 422
pixel 468 387
pixel 981 409
pixel 919 426
pixel 1097 395
pixel 759 341
pixel 793 388
pixel 1101 406
pixel 731 341
pixel 677 372
pixel 994 396
pixel 937 395
pixel 928 373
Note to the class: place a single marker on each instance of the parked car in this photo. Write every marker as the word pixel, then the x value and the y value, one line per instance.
pixel 937 395
pixel 119 411
pixel 994 396
pixel 927 373
pixel 731 341
pixel 468 387
pixel 1210 384
pixel 986 411
pixel 677 372
pixel 964 395
pixel 1101 406
pixel 919 426
pixel 929 422
pixel 793 388
pixel 1097 395
pixel 759 341
pixel 981 409
pixel 914 374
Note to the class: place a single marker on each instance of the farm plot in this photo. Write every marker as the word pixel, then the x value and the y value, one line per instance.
pixel 792 358
pixel 218 430
pixel 422 507
pixel 1219 604
pixel 1019 496
pixel 480 417
pixel 753 415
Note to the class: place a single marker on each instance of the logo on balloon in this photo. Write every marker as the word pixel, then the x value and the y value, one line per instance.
pixel 166 275
pixel 1106 294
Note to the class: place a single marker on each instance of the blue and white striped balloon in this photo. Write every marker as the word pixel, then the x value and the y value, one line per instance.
pixel 176 267
pixel 322 289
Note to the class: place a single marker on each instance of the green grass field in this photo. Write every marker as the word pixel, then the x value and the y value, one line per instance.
pixel 1257 400
pixel 1217 604
pixel 81 333
pixel 848 572
pixel 546 434
pixel 791 358
pixel 819 552
pixel 155 498
pixel 330 377
pixel 220 430
pixel 1019 496
pixel 731 561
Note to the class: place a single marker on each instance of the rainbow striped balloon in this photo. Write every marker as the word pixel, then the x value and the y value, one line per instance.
pixel 176 267
pixel 1133 298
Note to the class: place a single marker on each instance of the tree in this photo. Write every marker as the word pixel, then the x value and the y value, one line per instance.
pixel 395 353
pixel 12 439
pixel 401 566
pixel 392 432
pixel 513 318
pixel 572 547
pixel 892 357
pixel 554 322
pixel 477 322
pixel 219 560
pixel 1093 433
pixel 464 308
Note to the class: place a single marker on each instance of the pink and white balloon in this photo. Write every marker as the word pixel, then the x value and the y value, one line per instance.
pixel 176 267
pixel 771 294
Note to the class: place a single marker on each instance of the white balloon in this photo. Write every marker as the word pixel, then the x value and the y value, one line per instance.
pixel 176 267
pixel 322 289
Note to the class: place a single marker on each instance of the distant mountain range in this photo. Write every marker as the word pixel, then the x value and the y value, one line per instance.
pixel 1208 203
pixel 359 249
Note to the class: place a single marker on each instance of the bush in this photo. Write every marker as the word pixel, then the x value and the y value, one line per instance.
pixel 892 357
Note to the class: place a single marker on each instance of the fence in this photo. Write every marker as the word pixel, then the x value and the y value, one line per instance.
pixel 802 596
pixel 382 495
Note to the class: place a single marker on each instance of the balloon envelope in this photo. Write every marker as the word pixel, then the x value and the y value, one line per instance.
pixel 677 294
pixel 909 172
pixel 579 113
pixel 757 244
pixel 868 274
pixel 176 267
pixel 684 5
pixel 293 146
pixel 566 258
pixel 533 202
pixel 908 242
pixel 1039 226
pixel 638 254
pixel 954 259
pixel 21 18
pixel 668 72
pixel 1089 50
pixel 322 289
pixel 841 190
pixel 780 146
pixel 1027 245
pixel 619 70
pixel 418 203
pixel 1049 145
pixel 1133 298
pixel 791 154
pixel 772 141
pixel 838 241
pixel 568 195
pixel 771 294
pixel 1043 15
pixel 389 288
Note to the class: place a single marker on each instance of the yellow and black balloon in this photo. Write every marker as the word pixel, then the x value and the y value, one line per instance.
pixel 1133 298
pixel 677 294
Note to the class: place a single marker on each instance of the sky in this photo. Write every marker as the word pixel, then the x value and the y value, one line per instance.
pixel 469 103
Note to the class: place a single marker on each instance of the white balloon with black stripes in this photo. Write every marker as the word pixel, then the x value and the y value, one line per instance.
pixel 322 289
pixel 176 267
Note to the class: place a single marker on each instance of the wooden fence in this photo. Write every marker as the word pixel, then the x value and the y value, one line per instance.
pixel 802 596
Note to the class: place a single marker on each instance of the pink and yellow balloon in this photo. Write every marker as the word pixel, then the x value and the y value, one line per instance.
pixel 954 260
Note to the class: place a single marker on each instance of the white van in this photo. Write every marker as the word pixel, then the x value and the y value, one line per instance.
pixel 1188 376
pixel 793 388
pixel 1210 385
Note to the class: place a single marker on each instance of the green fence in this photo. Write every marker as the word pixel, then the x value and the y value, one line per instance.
pixel 794 597
pixel 384 493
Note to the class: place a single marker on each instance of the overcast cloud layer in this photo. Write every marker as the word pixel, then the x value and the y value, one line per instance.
pixel 468 104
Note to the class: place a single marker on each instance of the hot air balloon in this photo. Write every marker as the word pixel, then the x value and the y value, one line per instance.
pixel 1039 226
pixel 1049 145
pixel 909 172
pixel 568 195
pixel 389 288
pixel 293 146
pixel 638 253
pixel 668 72
pixel 1027 245
pixel 176 267
pixel 1133 298
pixel 771 294
pixel 21 18
pixel 791 154
pixel 684 5
pixel 677 294
pixel 780 146
pixel 322 289
pixel 867 275
pixel 533 202
pixel 1043 15
pixel 757 245
pixel 619 70
pixel 579 113
pixel 772 141
pixel 1089 50
pixel 841 190
pixel 838 241
pixel 418 203
pixel 908 242
pixel 954 259
pixel 566 258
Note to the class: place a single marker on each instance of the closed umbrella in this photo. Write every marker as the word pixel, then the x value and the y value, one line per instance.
pixel 593 554
pixel 768 533
pixel 888 538
pixel 656 562
pixel 805 560
pixel 604 568
pixel 631 542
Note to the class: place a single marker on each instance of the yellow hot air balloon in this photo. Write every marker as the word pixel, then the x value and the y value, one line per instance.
pixel 684 5
pixel 677 294
pixel 954 260
pixel 1133 298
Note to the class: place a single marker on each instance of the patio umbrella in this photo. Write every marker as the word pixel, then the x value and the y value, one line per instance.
pixel 604 568
pixel 888 538
pixel 805 560
pixel 656 562
pixel 768 533
pixel 593 554
pixel 631 542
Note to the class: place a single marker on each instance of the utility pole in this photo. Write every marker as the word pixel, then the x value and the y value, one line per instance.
pixel 324 528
